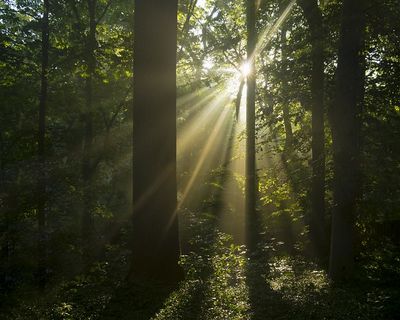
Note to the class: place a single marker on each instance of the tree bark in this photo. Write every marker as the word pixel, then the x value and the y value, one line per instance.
pixel 239 99
pixel 41 198
pixel 4 209
pixel 250 199
pixel 87 227
pixel 155 238
pixel 344 117
pixel 313 16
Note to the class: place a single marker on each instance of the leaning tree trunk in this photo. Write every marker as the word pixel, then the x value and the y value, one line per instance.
pixel 313 16
pixel 41 191
pixel 155 241
pixel 285 103
pixel 250 199
pixel 344 117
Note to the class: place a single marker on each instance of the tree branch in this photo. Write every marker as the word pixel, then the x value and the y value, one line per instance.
pixel 104 12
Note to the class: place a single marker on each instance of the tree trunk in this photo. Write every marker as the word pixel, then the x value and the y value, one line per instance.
pixel 285 103
pixel 313 16
pixel 41 197
pixel 155 239
pixel 239 99
pixel 250 122
pixel 4 209
pixel 344 118
pixel 87 227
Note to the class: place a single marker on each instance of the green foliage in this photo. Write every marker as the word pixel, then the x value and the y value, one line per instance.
pixel 83 297
pixel 223 280
pixel 215 285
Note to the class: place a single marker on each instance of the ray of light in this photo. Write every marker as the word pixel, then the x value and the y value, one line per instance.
pixel 226 70
pixel 207 109
pixel 187 134
pixel 192 96
pixel 267 34
pixel 215 147
pixel 236 72
pixel 216 132
pixel 242 108
pixel 195 107
pixel 190 120
pixel 232 217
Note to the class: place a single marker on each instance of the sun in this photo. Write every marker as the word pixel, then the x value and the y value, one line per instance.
pixel 245 69
pixel 237 76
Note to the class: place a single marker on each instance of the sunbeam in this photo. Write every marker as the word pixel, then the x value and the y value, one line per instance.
pixel 215 146
pixel 231 218
pixel 267 34
pixel 207 109
pixel 192 96
pixel 210 147
pixel 174 160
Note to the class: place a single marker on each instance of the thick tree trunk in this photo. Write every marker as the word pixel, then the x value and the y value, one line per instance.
pixel 313 16
pixel 251 189
pixel 87 161
pixel 155 240
pixel 41 198
pixel 344 118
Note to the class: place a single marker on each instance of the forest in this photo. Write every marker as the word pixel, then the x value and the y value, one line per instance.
pixel 199 159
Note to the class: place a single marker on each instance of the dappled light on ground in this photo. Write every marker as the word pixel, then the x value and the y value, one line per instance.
pixel 224 283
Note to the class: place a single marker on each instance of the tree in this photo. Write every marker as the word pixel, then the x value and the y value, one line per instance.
pixel 42 251
pixel 155 242
pixel 88 165
pixel 284 93
pixel 344 118
pixel 313 15
pixel 250 119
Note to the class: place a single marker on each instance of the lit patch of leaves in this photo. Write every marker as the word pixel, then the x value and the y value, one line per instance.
pixel 216 284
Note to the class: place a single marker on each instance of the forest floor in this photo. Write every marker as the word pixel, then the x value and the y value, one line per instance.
pixel 223 281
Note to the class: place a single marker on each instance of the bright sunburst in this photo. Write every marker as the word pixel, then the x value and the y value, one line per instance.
pixel 245 69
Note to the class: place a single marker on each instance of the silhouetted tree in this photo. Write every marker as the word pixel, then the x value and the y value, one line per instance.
pixel 250 120
pixel 88 165
pixel 155 242
pixel 313 15
pixel 41 191
pixel 344 118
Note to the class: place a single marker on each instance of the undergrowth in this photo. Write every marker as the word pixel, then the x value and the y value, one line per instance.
pixel 223 281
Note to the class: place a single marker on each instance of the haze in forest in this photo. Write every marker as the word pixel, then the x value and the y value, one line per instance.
pixel 199 159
